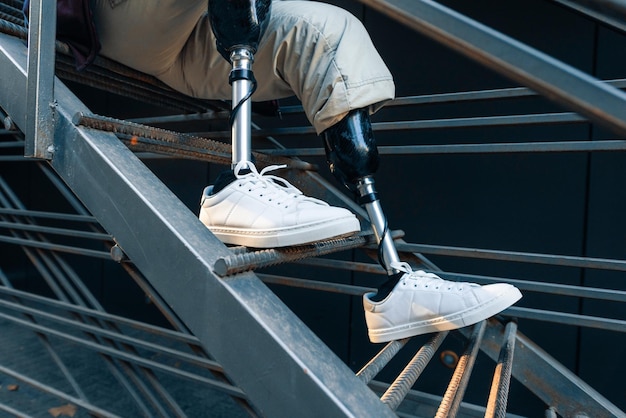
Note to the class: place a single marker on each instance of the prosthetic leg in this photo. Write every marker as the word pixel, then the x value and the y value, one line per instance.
pixel 244 206
pixel 409 302
pixel 353 159
pixel 238 26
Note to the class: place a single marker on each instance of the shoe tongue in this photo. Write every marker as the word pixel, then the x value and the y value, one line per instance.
pixel 224 179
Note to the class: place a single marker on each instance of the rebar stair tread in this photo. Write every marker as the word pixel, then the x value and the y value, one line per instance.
pixel 86 141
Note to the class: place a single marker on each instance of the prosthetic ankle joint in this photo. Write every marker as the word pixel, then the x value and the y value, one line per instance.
pixel 352 155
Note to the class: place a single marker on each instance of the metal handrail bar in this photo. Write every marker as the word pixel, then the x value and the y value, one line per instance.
pixel 127 357
pixel 15 158
pixel 463 96
pixel 510 147
pixel 115 335
pixel 56 231
pixel 481 148
pixel 25 242
pixel 71 217
pixel 425 99
pixel 465 122
pixel 515 256
pixel 560 289
pixel 576 320
pixel 437 98
pixel 529 285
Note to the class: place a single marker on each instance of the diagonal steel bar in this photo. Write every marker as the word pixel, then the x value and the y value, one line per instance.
pixel 608 12
pixel 176 253
pixel 550 77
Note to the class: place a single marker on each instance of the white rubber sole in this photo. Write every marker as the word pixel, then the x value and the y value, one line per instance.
pixel 284 237
pixel 449 322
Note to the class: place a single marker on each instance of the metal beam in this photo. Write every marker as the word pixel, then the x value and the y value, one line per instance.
pixel 608 12
pixel 246 328
pixel 552 78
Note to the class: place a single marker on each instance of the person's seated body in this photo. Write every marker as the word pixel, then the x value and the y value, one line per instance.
pixel 324 56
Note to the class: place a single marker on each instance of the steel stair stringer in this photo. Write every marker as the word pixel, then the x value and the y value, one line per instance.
pixel 165 241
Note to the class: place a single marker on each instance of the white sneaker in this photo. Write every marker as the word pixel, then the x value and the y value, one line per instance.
pixel 264 211
pixel 423 302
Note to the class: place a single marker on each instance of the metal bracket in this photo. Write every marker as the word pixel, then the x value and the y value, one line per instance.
pixel 40 114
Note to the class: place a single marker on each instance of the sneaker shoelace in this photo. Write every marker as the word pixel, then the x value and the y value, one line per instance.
pixel 429 279
pixel 276 189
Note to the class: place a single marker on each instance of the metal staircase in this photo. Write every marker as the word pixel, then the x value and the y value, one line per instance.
pixel 225 331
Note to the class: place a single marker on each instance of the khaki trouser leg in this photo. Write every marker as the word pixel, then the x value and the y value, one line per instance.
pixel 318 52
